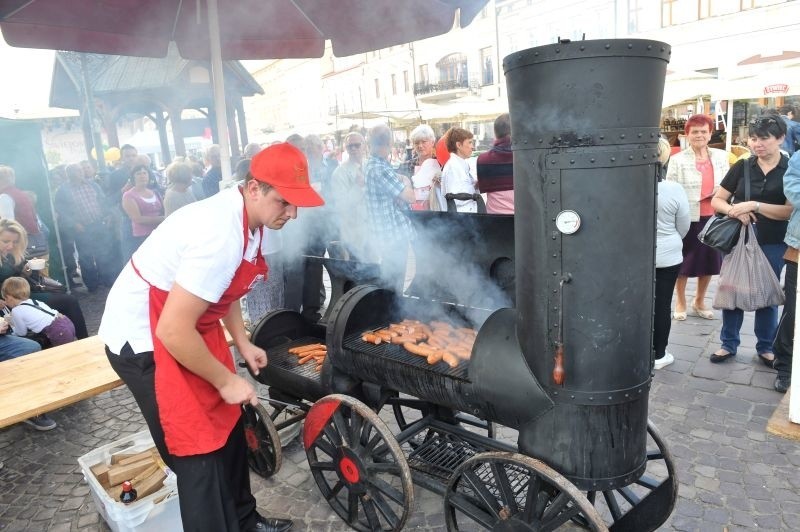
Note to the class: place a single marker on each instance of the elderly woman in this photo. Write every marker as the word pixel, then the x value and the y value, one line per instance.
pixel 422 168
pixel 457 177
pixel 699 169
pixel 769 210
pixel 179 189
pixel 13 241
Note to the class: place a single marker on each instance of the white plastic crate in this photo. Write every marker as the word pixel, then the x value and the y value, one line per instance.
pixel 142 515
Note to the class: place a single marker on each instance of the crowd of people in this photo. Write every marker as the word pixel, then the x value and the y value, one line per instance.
pixel 758 190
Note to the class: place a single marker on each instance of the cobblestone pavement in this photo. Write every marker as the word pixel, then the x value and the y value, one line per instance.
pixel 733 475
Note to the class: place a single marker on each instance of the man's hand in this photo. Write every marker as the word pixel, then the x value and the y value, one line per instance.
pixel 3 326
pixel 255 357
pixel 237 391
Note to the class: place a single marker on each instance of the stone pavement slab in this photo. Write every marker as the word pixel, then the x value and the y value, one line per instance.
pixel 733 474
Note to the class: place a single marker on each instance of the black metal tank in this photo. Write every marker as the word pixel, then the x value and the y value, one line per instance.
pixel 584 120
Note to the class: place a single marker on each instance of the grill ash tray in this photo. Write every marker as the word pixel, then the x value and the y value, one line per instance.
pixel 397 353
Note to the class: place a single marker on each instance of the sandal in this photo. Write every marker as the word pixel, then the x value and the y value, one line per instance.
pixel 679 316
pixel 769 362
pixel 716 358
pixel 704 313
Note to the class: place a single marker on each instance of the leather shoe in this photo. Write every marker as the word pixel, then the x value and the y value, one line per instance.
pixel 270 524
pixel 769 362
pixel 720 356
pixel 782 384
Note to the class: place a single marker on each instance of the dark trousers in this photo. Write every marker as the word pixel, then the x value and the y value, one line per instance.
pixel 213 488
pixel 67 305
pixel 662 320
pixel 97 256
pixel 784 340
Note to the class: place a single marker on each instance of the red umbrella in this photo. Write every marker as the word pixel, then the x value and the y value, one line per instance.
pixel 227 29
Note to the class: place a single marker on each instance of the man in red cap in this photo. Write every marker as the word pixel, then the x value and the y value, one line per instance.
pixel 163 337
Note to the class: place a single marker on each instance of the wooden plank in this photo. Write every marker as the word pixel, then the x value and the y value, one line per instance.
pixel 53 378
pixel 779 423
pixel 56 377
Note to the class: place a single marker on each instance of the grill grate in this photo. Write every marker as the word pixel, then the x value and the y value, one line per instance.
pixel 397 353
pixel 438 453
pixel 280 358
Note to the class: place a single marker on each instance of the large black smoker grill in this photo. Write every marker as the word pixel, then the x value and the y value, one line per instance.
pixel 569 366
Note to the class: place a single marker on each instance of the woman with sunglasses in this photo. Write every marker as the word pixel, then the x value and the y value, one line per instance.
pixel 768 210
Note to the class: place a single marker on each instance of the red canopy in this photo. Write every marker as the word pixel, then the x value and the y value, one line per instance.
pixel 249 29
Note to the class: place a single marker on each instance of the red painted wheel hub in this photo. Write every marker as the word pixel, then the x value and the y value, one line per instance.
pixel 251 438
pixel 349 470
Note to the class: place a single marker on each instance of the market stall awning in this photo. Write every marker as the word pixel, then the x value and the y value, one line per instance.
pixel 768 83
pixel 684 86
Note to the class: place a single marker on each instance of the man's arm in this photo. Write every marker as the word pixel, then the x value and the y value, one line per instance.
pixel 255 357
pixel 176 329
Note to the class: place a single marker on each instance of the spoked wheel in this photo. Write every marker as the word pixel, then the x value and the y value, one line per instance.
pixel 357 464
pixel 645 504
pixel 512 492
pixel 263 442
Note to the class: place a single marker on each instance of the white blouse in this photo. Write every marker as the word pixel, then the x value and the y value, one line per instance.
pixel 456 179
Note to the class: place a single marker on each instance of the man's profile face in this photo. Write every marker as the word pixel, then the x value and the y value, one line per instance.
pixel 271 209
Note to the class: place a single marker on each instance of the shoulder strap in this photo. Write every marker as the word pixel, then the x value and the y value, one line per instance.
pixel 36 305
pixel 747 179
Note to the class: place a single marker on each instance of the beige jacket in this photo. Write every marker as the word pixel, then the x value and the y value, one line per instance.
pixel 682 170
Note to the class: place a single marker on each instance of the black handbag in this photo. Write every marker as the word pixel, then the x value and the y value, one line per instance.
pixel 722 232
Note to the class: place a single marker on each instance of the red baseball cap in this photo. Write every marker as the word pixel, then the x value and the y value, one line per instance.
pixel 285 168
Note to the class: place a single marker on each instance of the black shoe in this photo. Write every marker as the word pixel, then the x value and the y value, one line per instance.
pixel 769 362
pixel 782 384
pixel 720 356
pixel 271 524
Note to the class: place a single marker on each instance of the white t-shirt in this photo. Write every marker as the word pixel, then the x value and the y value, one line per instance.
pixel 25 318
pixel 198 246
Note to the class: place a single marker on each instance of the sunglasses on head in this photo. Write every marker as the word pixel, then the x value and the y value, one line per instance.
pixel 762 122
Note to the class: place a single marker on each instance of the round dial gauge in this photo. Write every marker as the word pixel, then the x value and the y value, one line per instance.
pixel 568 222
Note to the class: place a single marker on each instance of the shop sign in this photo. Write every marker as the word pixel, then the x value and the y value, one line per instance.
pixel 776 88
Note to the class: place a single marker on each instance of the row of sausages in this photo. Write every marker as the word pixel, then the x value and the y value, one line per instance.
pixel 315 353
pixel 437 341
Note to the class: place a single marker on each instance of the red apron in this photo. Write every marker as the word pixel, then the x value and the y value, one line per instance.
pixel 193 415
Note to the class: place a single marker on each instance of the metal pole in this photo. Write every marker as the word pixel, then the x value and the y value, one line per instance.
pixel 88 100
pixel 218 86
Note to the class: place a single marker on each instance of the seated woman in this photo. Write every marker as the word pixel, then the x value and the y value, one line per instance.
pixel 13 241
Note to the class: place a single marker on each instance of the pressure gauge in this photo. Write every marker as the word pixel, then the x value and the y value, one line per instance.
pixel 568 222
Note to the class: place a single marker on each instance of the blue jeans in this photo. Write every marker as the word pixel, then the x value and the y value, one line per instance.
pixel 15 346
pixel 766 322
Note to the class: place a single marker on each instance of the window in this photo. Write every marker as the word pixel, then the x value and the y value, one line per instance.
pixel 678 12
pixel 405 80
pixel 715 8
pixel 453 70
pixel 487 66
pixel 394 85
pixel 423 73
pixel 377 88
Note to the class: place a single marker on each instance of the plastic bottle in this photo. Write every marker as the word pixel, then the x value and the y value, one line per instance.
pixel 128 494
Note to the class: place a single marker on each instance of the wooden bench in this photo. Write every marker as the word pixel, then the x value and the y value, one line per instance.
pixel 50 379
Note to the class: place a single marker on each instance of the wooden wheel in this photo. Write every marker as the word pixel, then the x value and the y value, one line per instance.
pixel 263 442
pixel 358 464
pixel 645 504
pixel 511 492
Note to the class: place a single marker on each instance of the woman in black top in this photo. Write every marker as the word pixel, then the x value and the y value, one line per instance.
pixel 769 211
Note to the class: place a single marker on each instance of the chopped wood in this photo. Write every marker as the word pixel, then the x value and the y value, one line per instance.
pixel 120 473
